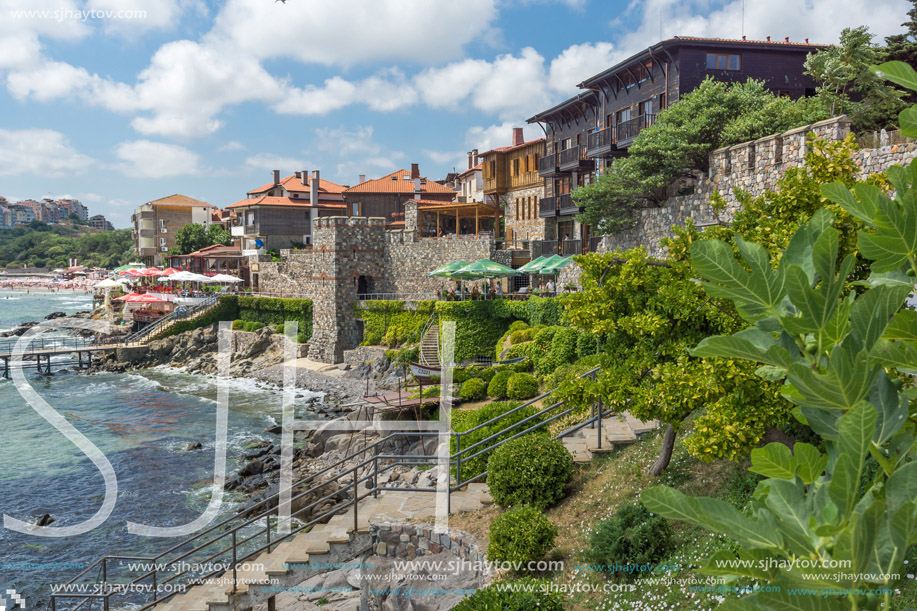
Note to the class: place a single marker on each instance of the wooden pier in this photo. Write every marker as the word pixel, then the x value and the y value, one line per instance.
pixel 36 353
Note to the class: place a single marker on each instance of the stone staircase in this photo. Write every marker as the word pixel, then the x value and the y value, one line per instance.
pixel 288 565
pixel 617 430
pixel 429 347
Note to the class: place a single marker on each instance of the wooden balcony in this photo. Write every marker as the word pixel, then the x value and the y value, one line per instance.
pixel 547 207
pixel 547 165
pixel 575 158
pixel 627 131
pixel 566 206
pixel 600 143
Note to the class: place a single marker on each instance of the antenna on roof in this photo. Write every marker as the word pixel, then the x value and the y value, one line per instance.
pixel 743 18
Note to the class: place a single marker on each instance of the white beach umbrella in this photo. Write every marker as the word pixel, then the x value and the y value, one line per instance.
pixel 224 278
pixel 108 283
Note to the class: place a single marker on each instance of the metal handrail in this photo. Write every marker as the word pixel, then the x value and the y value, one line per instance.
pixel 368 461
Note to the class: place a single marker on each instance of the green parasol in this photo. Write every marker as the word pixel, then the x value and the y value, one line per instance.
pixel 533 265
pixel 553 266
pixel 128 266
pixel 485 268
pixel 445 271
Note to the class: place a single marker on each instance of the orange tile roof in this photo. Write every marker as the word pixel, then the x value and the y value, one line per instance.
pixel 503 149
pixel 386 184
pixel 294 185
pixel 268 200
pixel 179 200
pixel 480 166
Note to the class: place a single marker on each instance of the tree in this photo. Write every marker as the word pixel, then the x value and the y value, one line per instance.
pixel 847 85
pixel 193 237
pixel 903 47
pixel 679 143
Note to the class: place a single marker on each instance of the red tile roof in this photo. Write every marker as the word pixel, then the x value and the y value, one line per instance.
pixel 503 149
pixel 480 166
pixel 179 200
pixel 294 185
pixel 397 183
pixel 268 200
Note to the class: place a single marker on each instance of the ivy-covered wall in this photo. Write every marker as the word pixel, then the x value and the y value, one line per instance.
pixel 391 322
pixel 266 310
pixel 272 311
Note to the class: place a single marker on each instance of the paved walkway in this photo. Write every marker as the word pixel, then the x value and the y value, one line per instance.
pixel 617 430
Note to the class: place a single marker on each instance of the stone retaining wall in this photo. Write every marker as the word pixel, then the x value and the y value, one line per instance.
pixel 754 167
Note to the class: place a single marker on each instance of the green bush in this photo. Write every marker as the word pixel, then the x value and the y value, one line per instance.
pixel 238 324
pixel 524 594
pixel 278 329
pixel 523 335
pixel 586 345
pixel 404 356
pixel 302 338
pixel 522 386
pixel 273 311
pixel 522 534
pixel 227 308
pixel 569 372
pixel 464 420
pixel 474 389
pixel 633 536
pixel 531 470
pixel 253 326
pixel 395 335
pixel 380 316
pixel 497 386
pixel 518 325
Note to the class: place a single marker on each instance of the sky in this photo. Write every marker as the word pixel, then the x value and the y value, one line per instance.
pixel 119 102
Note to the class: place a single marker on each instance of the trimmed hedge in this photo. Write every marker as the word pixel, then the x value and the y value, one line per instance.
pixel 522 534
pixel 227 308
pixel 525 594
pixel 522 386
pixel 463 420
pixel 531 470
pixel 497 386
pixel 474 389
pixel 631 537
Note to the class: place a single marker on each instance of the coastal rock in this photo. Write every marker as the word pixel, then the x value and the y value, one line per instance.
pixel 254 467
pixel 194 445
pixel 54 315
pixel 45 520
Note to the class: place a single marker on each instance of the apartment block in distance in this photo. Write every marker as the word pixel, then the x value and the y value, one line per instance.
pixel 156 223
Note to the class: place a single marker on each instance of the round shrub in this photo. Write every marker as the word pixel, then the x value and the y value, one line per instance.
pixel 474 389
pixel 522 534
pixel 633 536
pixel 498 597
pixel 238 324
pixel 518 325
pixel 522 386
pixel 278 329
pixel 523 335
pixel 531 470
pixel 497 386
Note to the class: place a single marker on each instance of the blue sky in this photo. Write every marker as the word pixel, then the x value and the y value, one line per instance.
pixel 139 99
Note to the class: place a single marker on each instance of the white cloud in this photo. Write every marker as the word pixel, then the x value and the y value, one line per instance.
pixel 348 32
pixel 458 159
pixel 232 145
pixel 579 62
pixel 270 162
pixel 494 136
pixel 41 152
pixel 127 17
pixel 346 143
pixel 312 100
pixel 146 159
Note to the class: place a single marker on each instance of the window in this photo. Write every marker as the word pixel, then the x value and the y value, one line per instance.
pixel 566 143
pixel 646 107
pixel 661 101
pixel 162 241
pixel 622 115
pixel 723 61
pixel 356 208
pixel 162 226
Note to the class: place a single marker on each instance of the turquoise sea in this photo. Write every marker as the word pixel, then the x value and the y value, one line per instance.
pixel 142 422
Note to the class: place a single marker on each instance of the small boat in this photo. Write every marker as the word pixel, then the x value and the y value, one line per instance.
pixel 425 371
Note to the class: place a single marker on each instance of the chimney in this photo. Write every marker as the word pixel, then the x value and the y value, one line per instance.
pixel 743 37
pixel 768 39
pixel 416 187
pixel 276 177
pixel 807 41
pixel 787 39
pixel 477 158
pixel 415 171
pixel 470 160
pixel 518 138
pixel 362 179
pixel 313 189
pixel 305 178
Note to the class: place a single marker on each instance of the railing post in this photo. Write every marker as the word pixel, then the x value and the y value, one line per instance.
pixel 235 568
pixel 105 583
pixel 268 531
pixel 356 500
pixel 458 459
